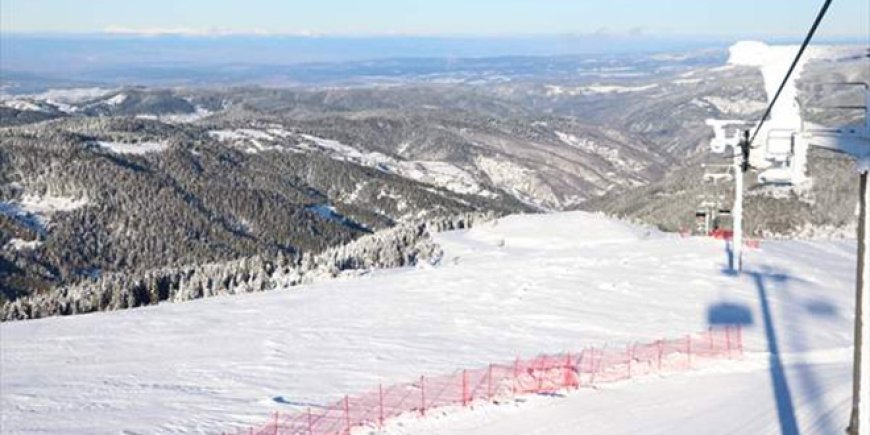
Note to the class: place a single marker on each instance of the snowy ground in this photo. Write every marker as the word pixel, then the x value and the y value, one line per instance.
pixel 37 210
pixel 528 284
pixel 139 148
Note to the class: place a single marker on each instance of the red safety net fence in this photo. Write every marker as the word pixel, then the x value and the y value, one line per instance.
pixel 542 374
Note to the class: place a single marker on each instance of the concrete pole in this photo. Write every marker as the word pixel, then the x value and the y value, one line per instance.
pixel 861 364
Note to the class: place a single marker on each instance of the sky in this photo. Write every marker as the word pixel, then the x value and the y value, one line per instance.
pixel 714 18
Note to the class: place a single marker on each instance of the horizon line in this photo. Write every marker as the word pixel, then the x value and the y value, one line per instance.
pixel 217 33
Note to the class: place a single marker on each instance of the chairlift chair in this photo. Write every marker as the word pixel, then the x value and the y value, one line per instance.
pixel 718 173
pixel 779 146
pixel 703 220
pixel 779 153
pixel 722 225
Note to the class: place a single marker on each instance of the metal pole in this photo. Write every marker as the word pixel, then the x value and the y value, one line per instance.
pixel 737 239
pixel 861 364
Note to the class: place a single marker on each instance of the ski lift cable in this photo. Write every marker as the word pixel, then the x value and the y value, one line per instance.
pixel 791 69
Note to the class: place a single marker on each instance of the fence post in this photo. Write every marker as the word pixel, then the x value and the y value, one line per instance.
pixel 422 395
pixel 634 354
pixel 592 368
pixel 661 348
pixel 276 422
pixel 310 426
pixel 728 340
pixel 711 341
pixel 489 382
pixel 689 348
pixel 567 381
pixel 464 387
pixel 516 374
pixel 381 405
pixel 347 413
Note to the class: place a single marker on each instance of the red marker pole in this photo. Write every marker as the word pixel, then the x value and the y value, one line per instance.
pixel 347 413
pixel 422 396
pixel 489 382
pixel 728 340
pixel 710 340
pixel 381 405
pixel 689 349
pixel 516 374
pixel 464 387
pixel 661 350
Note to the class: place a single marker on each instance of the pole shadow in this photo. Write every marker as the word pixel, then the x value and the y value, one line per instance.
pixel 729 254
pixel 782 392
pixel 730 313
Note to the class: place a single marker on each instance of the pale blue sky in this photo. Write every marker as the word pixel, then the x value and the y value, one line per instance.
pixel 720 18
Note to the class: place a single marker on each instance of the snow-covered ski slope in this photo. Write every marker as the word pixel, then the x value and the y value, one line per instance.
pixel 520 286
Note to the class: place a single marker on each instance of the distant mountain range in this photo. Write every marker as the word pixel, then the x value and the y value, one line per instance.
pixel 99 181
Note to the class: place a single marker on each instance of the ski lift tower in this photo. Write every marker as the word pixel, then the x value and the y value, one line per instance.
pixel 788 169
pixel 719 145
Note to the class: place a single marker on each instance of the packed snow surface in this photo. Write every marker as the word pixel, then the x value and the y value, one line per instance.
pixel 519 286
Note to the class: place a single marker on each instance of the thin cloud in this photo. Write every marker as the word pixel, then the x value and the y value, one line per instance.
pixel 192 31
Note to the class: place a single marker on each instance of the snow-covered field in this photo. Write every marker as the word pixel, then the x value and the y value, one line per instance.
pixel 553 90
pixel 520 286
pixel 37 210
pixel 133 148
